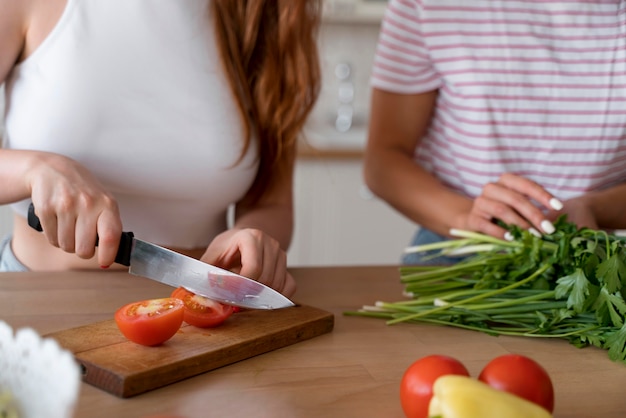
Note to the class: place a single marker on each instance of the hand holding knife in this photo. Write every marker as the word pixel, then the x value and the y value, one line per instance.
pixel 174 269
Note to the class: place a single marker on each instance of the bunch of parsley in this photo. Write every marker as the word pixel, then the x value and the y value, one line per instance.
pixel 570 284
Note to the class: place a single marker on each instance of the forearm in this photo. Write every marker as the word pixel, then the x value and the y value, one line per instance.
pixel 394 177
pixel 397 124
pixel 14 168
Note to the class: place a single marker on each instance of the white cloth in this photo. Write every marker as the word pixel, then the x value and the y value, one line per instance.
pixel 136 92
pixel 536 88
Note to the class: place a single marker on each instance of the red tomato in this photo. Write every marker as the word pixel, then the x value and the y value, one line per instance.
pixel 150 322
pixel 520 376
pixel 200 311
pixel 416 387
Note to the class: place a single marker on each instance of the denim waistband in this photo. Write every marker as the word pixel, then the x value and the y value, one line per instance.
pixel 8 261
pixel 425 236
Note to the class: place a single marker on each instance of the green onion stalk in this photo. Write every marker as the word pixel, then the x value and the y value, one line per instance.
pixel 570 284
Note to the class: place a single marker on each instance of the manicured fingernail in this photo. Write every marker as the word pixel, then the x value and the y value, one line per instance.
pixel 534 232
pixel 508 236
pixel 547 226
pixel 104 267
pixel 556 204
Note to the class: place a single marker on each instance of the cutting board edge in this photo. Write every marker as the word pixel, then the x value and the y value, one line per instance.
pixel 125 384
pixel 136 384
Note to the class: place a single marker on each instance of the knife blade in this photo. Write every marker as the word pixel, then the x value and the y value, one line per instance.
pixel 174 269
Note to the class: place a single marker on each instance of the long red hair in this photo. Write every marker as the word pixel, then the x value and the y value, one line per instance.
pixel 269 50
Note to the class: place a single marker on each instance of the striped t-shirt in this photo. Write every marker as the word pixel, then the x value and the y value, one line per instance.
pixel 533 87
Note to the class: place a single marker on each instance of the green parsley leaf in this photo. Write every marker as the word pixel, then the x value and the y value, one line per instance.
pixel 610 308
pixel 575 287
pixel 608 272
pixel 616 343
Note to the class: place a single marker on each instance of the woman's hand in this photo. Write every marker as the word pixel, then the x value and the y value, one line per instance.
pixel 578 211
pixel 510 200
pixel 254 254
pixel 74 208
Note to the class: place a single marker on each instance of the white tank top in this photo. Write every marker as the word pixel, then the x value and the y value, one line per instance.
pixel 135 91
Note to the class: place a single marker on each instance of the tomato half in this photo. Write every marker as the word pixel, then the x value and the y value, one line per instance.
pixel 200 311
pixel 521 376
pixel 416 387
pixel 150 322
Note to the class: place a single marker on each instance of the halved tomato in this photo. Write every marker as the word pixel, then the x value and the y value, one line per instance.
pixel 200 311
pixel 150 322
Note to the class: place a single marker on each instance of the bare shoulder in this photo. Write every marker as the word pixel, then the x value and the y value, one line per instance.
pixel 13 26
pixel 24 25
pixel 42 16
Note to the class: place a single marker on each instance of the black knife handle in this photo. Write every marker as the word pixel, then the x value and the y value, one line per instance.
pixel 123 252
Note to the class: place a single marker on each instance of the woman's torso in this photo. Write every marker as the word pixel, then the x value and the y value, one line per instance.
pixel 135 91
pixel 533 88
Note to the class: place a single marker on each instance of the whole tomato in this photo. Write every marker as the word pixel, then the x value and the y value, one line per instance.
pixel 520 376
pixel 416 387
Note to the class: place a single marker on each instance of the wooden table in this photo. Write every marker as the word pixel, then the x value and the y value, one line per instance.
pixel 352 372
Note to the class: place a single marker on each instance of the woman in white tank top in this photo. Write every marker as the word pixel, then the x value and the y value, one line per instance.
pixel 155 118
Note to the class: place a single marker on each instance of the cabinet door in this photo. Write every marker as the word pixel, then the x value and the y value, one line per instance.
pixel 339 222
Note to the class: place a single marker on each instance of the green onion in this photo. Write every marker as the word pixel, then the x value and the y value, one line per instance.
pixel 570 285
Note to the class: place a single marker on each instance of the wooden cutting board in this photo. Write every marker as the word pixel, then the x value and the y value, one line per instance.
pixel 125 369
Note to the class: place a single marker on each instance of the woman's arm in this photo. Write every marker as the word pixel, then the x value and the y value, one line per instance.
pixel 602 209
pixel 273 211
pixel 257 243
pixel 397 124
pixel 13 30
pixel 71 204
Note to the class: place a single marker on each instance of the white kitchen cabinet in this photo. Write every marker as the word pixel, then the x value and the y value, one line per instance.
pixel 339 222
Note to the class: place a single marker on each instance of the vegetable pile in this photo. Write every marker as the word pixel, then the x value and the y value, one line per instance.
pixel 570 284
pixel 511 385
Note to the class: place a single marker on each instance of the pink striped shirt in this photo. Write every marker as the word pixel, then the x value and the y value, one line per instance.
pixel 533 87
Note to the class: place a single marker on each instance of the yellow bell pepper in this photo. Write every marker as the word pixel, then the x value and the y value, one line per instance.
pixel 8 407
pixel 463 397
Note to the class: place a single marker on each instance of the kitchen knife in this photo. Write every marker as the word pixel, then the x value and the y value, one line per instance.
pixel 174 269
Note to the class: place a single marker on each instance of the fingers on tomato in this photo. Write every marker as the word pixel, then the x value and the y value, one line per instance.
pixel 521 376
pixel 200 311
pixel 150 322
pixel 416 387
